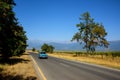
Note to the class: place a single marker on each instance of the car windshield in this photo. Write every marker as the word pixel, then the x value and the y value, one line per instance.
pixel 42 53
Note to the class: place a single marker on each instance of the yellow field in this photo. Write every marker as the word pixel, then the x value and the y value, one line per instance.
pixel 108 61
pixel 19 68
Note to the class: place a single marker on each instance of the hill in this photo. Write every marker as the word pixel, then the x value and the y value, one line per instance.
pixel 114 45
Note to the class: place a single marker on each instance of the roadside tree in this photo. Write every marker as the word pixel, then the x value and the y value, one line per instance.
pixel 33 49
pixel 47 48
pixel 12 35
pixel 91 33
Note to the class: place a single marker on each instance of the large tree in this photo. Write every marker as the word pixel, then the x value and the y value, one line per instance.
pixel 12 35
pixel 47 48
pixel 91 33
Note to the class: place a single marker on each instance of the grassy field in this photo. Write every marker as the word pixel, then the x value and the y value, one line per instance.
pixel 17 68
pixel 103 60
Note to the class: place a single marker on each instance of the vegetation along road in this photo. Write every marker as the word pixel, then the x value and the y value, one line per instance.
pixel 60 69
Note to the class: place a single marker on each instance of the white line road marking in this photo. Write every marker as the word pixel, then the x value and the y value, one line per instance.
pixel 40 71
pixel 64 65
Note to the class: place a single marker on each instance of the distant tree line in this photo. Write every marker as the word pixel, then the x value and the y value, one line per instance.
pixel 12 35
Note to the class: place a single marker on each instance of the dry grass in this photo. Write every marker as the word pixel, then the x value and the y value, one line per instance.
pixel 17 68
pixel 32 51
pixel 107 61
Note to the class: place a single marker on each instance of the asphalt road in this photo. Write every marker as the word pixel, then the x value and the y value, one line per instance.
pixel 60 69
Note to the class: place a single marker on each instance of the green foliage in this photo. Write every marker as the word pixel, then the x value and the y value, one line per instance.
pixel 91 33
pixel 47 48
pixel 12 35
pixel 33 49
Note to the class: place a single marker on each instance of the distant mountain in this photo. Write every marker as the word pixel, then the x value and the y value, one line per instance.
pixel 66 46
pixel 58 45
pixel 34 44
pixel 114 45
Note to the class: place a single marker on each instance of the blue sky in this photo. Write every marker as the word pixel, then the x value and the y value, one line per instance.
pixel 55 20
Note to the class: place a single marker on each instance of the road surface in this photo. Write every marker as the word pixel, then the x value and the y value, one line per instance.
pixel 60 69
